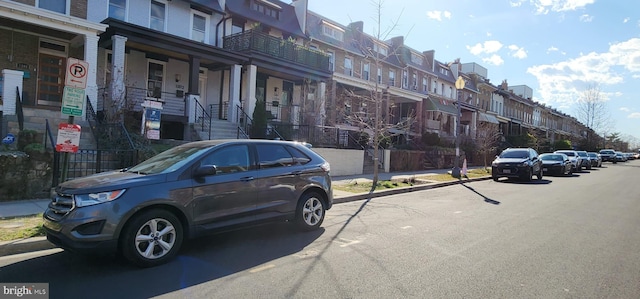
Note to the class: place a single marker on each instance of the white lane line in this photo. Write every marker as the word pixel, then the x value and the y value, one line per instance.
pixel 407 227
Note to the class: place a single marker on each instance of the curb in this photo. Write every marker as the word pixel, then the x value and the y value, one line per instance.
pixel 41 243
pixel 24 246
pixel 363 196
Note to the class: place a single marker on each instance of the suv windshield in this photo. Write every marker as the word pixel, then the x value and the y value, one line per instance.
pixel 170 159
pixel 521 154
pixel 552 158
pixel 570 154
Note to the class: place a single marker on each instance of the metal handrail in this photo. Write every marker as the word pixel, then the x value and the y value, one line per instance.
pixel 203 117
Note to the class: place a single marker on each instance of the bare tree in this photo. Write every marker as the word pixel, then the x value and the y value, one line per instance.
pixel 593 113
pixel 371 109
pixel 487 139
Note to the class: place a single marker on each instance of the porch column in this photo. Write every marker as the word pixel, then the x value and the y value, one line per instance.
pixel 12 79
pixel 118 90
pixel 419 124
pixel 250 90
pixel 193 93
pixel 234 93
pixel 474 124
pixel 91 57
pixel 322 92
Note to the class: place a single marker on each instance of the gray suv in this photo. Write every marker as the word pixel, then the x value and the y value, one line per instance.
pixel 145 212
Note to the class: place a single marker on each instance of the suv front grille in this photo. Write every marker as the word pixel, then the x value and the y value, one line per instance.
pixel 60 205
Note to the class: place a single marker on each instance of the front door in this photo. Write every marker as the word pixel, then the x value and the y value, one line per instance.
pixel 227 197
pixel 51 79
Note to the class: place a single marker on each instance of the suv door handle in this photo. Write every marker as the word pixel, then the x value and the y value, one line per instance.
pixel 247 178
pixel 297 172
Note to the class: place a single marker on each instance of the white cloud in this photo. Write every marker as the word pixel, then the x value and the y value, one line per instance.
pixel 625 109
pixel 487 47
pixel 494 60
pixel 634 115
pixel 626 20
pixel 563 82
pixel 554 49
pixel 586 18
pixel 516 3
pixel 437 15
pixel 545 6
pixel 518 52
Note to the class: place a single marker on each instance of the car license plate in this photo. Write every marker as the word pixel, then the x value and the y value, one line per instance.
pixel 506 171
pixel 544 169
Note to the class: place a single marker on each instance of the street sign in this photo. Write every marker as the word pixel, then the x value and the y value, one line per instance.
pixel 73 101
pixel 77 71
pixel 68 138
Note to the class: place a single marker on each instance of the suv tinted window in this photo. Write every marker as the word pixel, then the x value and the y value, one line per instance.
pixel 299 157
pixel 273 155
pixel 515 154
pixel 229 159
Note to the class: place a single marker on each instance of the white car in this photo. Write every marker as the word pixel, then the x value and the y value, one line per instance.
pixel 575 159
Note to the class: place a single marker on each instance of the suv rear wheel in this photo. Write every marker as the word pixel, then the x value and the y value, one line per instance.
pixel 539 175
pixel 310 211
pixel 152 238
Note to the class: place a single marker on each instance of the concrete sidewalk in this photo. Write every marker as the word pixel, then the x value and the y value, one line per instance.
pixel 30 207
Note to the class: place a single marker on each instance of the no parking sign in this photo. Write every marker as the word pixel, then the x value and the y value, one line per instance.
pixel 68 138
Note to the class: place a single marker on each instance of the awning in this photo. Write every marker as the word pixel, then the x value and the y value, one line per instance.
pixel 488 118
pixel 435 105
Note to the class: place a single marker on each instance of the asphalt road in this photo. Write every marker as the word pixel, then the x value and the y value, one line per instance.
pixel 562 237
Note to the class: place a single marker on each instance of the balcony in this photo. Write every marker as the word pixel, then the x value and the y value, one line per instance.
pixel 253 41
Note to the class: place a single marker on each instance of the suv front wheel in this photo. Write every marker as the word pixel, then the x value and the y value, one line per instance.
pixel 152 238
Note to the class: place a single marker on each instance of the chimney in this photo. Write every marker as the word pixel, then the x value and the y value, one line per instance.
pixel 430 57
pixel 357 26
pixel 301 7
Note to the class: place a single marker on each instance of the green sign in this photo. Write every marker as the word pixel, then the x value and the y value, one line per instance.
pixel 73 101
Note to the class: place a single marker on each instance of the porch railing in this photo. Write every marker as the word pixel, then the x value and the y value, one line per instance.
pixel 172 102
pixel 203 119
pixel 255 41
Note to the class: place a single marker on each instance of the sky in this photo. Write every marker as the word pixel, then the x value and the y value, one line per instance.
pixel 559 48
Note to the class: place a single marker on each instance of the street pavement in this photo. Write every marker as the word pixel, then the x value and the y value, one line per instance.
pixel 30 207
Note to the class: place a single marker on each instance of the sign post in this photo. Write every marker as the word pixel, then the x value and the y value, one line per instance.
pixel 73 99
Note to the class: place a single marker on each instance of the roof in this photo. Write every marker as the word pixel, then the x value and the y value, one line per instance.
pixel 287 21
pixel 314 31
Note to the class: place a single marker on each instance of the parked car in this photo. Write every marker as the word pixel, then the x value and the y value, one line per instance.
pixel 575 159
pixel 620 157
pixel 608 155
pixel 556 164
pixel 521 163
pixel 586 161
pixel 147 211
pixel 596 159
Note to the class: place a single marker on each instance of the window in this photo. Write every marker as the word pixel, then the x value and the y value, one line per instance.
pixel 348 67
pixel 154 80
pixel 380 49
pixel 424 84
pixel 365 71
pixel 332 61
pixel 273 155
pixel 416 58
pixel 266 8
pixel 199 25
pixel 60 6
pixel 157 16
pixel 332 31
pixel 392 78
pixel 405 79
pixel 229 159
pixel 379 75
pixel 118 9
pixel 415 81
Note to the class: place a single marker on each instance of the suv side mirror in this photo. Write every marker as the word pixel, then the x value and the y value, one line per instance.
pixel 206 170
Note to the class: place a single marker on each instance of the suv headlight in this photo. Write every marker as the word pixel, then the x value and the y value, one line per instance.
pixel 84 200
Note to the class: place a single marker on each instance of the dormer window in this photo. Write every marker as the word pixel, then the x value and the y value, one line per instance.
pixel 380 49
pixel 332 31
pixel 416 58
pixel 266 8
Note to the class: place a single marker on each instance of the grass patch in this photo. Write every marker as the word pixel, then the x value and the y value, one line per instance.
pixel 21 228
pixel 363 187
pixel 446 177
pixel 360 187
